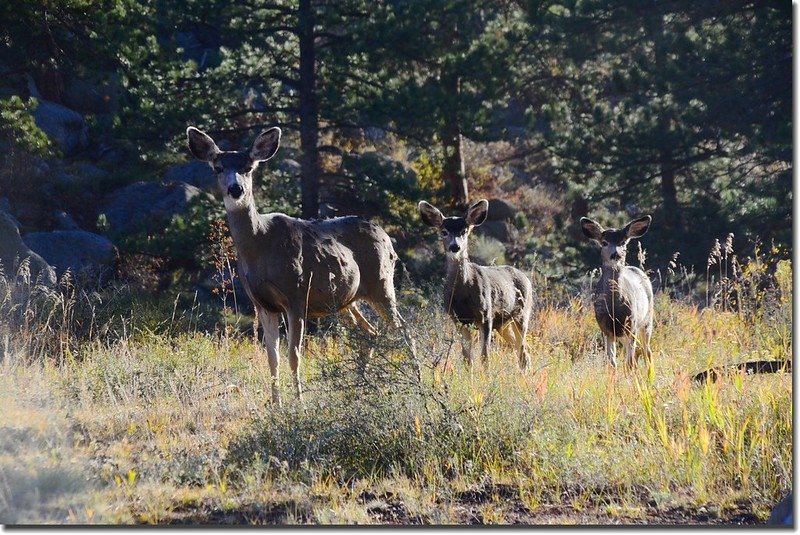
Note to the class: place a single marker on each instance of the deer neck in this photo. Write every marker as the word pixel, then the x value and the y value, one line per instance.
pixel 609 278
pixel 243 220
pixel 458 269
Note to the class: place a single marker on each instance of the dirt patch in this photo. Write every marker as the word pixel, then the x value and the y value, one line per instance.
pixel 248 514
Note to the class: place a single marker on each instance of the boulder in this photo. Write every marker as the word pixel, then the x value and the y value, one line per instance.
pixel 289 166
pixel 13 250
pixel 499 230
pixel 100 95
pixel 198 174
pixel 76 250
pixel 147 205
pixel 500 210
pixel 62 125
pixel 64 221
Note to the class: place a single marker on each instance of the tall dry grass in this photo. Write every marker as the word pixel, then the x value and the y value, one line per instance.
pixel 134 418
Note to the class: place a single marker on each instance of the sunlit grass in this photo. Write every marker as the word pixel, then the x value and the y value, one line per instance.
pixel 176 427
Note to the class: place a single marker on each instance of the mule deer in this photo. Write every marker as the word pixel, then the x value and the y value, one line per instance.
pixel 623 297
pixel 491 297
pixel 302 269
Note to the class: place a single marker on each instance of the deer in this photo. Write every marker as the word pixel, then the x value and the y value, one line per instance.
pixel 490 297
pixel 623 296
pixel 296 268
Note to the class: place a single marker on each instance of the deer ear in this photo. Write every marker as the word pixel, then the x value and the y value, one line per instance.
pixel 591 229
pixel 201 145
pixel 266 145
pixel 638 227
pixel 476 214
pixel 431 215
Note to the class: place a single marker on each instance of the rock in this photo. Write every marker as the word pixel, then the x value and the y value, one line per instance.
pixel 13 251
pixel 147 205
pixel 289 166
pixel 89 171
pixel 198 174
pixel 499 230
pixel 5 206
pixel 93 96
pixel 64 221
pixel 62 125
pixel 76 250
pixel 783 513
pixel 500 210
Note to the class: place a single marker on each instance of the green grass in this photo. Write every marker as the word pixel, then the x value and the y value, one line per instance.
pixel 172 424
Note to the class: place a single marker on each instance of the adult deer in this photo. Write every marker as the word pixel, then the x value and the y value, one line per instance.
pixel 491 297
pixel 294 267
pixel 623 297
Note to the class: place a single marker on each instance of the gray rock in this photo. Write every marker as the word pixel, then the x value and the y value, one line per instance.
pixel 93 96
pixel 198 174
pixel 289 166
pixel 147 205
pixel 500 210
pixel 64 221
pixel 499 230
pixel 62 125
pixel 76 250
pixel 13 251
pixel 92 172
pixel 783 513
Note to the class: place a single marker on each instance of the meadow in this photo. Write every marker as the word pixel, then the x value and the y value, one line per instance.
pixel 129 410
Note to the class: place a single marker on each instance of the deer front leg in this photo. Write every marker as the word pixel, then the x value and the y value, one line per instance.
pixel 271 323
pixel 466 343
pixel 611 349
pixel 296 329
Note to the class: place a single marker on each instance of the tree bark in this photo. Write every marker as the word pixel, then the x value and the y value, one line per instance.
pixel 453 170
pixel 669 192
pixel 309 113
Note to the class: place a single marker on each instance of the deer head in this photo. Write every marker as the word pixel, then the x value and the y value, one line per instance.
pixel 614 242
pixel 454 230
pixel 234 169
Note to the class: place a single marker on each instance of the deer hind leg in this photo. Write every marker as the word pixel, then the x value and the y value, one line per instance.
pixel 271 323
pixel 521 332
pixel 644 339
pixel 358 318
pixel 295 327
pixel 629 346
pixel 386 307
pixel 611 348
pixel 486 340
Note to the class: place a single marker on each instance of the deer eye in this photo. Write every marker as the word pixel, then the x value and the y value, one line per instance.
pixel 444 232
pixel 603 243
pixel 217 168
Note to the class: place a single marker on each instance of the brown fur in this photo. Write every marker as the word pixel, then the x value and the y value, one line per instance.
pixel 294 267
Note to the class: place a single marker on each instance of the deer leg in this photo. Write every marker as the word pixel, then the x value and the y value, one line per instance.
pixel 296 329
pixel 486 340
pixel 387 309
pixel 466 343
pixel 629 346
pixel 645 336
pixel 522 350
pixel 271 323
pixel 358 318
pixel 611 349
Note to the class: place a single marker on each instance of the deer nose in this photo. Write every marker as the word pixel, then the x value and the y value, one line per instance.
pixel 235 191
pixel 454 248
pixel 615 256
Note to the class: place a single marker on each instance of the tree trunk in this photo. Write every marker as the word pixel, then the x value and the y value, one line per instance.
pixel 309 113
pixel 669 192
pixel 453 170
